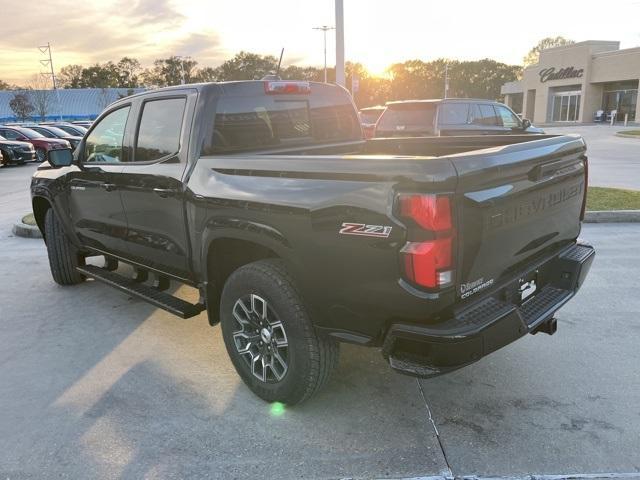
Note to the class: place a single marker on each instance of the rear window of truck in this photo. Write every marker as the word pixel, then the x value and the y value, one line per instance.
pixel 259 122
pixel 410 117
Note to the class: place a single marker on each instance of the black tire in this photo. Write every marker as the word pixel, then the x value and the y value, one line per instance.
pixel 63 255
pixel 41 155
pixel 310 358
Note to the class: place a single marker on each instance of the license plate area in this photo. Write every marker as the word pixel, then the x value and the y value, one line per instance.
pixel 527 287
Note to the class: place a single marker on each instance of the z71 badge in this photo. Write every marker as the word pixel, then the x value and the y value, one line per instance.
pixel 380 231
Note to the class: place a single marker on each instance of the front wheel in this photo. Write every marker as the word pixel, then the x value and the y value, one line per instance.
pixel 63 255
pixel 41 155
pixel 269 335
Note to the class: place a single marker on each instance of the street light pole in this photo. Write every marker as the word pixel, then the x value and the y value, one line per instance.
pixel 324 29
pixel 446 80
pixel 340 77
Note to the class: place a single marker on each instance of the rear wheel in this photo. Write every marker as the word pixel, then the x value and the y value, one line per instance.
pixel 269 335
pixel 63 255
pixel 41 154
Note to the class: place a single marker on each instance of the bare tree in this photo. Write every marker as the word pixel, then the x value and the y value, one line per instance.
pixel 105 98
pixel 41 96
pixel 20 103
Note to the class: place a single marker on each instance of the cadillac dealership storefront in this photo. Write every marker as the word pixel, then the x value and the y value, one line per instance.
pixel 574 82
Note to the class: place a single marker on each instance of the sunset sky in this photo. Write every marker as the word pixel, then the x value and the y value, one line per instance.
pixel 377 33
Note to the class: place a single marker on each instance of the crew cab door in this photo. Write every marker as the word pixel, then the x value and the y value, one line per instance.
pixel 151 186
pixel 95 206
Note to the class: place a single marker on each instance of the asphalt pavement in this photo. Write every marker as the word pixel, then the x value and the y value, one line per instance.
pixel 94 384
pixel 613 161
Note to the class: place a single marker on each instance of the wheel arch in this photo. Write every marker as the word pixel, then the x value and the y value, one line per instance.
pixel 223 256
pixel 40 207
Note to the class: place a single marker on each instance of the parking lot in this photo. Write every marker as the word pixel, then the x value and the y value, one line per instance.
pixel 99 385
pixel 613 161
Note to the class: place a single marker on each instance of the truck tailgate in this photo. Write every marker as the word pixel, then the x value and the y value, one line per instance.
pixel 514 202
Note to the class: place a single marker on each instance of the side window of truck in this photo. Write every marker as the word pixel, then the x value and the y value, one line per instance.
pixel 104 143
pixel 508 118
pixel 453 114
pixel 484 115
pixel 159 131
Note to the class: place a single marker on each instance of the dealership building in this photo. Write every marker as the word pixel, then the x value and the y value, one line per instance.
pixel 573 83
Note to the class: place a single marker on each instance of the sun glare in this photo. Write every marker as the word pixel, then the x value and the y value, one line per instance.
pixel 375 67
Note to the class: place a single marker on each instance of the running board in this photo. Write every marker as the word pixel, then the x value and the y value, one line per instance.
pixel 149 294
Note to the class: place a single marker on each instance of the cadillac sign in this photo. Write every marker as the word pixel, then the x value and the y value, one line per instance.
pixel 562 74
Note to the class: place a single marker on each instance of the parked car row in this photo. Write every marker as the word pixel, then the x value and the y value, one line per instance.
pixel 443 117
pixel 27 142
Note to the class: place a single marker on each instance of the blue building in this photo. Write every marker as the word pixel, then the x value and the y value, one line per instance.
pixel 66 104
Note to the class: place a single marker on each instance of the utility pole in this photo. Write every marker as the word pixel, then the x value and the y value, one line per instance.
pixel 325 29
pixel 340 77
pixel 446 80
pixel 46 50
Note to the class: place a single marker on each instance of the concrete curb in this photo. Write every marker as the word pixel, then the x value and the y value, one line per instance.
pixel 27 231
pixel 624 135
pixel 612 216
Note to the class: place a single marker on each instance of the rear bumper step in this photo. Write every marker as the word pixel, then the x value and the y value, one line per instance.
pixel 489 323
pixel 147 293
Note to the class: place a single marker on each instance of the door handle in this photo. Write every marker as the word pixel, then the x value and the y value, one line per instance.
pixel 163 192
pixel 109 187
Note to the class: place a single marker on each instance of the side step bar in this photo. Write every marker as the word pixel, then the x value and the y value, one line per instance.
pixel 152 295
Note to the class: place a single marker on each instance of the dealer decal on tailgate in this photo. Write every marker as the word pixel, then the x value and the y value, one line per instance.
pixel 365 230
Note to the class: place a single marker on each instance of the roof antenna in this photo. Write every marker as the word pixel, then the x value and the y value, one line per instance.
pixel 279 62
pixel 275 76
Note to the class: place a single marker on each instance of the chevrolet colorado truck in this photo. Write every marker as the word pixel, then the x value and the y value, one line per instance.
pixel 299 234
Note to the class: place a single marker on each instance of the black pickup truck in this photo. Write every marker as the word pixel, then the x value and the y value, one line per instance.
pixel 299 234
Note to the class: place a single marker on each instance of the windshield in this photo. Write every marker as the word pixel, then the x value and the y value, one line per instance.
pixel 31 134
pixel 75 130
pixel 410 117
pixel 44 132
pixel 58 132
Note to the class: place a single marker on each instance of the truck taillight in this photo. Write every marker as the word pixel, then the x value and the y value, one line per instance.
pixel 428 262
pixel 276 87
pixel 586 187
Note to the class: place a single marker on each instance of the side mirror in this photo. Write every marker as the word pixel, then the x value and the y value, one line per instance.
pixel 525 123
pixel 60 158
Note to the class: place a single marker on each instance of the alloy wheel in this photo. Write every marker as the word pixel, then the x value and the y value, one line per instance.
pixel 260 338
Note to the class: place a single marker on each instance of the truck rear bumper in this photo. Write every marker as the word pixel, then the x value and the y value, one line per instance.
pixel 491 322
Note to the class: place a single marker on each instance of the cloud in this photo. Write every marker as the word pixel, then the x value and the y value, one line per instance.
pixel 92 29
pixel 150 13
pixel 99 31
pixel 203 47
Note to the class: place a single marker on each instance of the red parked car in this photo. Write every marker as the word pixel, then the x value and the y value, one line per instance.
pixel 41 143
